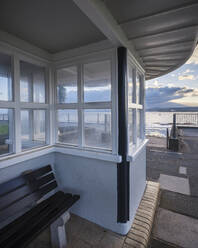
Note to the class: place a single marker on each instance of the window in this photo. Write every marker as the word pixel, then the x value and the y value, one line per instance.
pixel 84 105
pixel 5 78
pixel 67 85
pixel 33 118
pixel 97 82
pixel 6 131
pixel 97 128
pixel 25 104
pixel 32 83
pixel 68 126
pixel 138 89
pixel 130 85
pixel 135 108
pixel 32 128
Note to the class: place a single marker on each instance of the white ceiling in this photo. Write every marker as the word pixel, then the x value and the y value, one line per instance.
pixel 54 25
pixel 162 34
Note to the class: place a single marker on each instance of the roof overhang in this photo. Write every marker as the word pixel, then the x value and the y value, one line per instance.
pixel 161 35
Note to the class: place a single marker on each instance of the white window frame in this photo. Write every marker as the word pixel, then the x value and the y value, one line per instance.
pixel 134 106
pixel 16 105
pixel 80 106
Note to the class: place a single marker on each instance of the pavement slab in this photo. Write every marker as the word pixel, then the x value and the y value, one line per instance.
pixel 182 204
pixel 176 229
pixel 175 184
pixel 182 170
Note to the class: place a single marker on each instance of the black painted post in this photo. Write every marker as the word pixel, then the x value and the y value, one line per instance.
pixel 167 138
pixel 123 167
pixel 174 126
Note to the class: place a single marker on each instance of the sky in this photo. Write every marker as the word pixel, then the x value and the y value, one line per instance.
pixel 176 89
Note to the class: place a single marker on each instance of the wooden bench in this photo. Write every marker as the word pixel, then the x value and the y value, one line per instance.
pixel 30 203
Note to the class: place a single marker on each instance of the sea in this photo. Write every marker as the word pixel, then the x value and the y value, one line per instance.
pixel 158 122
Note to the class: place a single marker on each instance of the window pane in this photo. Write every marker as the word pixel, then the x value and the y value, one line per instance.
pixel 68 126
pixel 39 125
pixel 97 128
pixel 32 83
pixel 97 82
pixel 138 121
pixel 32 128
pixel 6 131
pixel 130 85
pixel 130 125
pixel 5 78
pixel 138 99
pixel 67 85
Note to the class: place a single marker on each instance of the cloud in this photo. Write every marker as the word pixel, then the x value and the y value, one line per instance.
pixel 194 58
pixel 187 77
pixel 171 96
pixel 187 71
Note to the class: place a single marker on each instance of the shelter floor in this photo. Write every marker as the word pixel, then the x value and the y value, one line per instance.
pixel 176 222
pixel 82 234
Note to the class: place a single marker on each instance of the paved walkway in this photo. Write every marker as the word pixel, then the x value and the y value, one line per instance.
pixel 176 222
pixel 85 234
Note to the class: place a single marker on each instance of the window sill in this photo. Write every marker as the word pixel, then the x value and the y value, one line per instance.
pixel 132 157
pixel 11 159
pixel 105 156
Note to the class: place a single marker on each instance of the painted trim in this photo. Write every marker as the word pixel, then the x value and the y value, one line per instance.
pixel 132 157
pixel 88 154
pixel 11 159
pixel 82 51
pixel 123 167
pixel 17 45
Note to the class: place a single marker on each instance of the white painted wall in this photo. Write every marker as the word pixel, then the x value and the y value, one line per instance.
pixel 137 181
pixel 18 168
pixel 96 182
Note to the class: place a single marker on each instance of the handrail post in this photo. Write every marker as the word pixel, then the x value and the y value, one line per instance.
pixel 174 126
pixel 167 138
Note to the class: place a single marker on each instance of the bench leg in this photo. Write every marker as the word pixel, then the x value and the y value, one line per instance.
pixel 58 233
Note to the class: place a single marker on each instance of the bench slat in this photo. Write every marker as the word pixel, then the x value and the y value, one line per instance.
pixel 26 201
pixel 45 179
pixel 21 194
pixel 41 171
pixel 22 236
pixel 11 185
pixel 8 230
pixel 15 195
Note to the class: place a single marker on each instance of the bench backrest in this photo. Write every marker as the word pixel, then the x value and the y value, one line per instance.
pixel 21 193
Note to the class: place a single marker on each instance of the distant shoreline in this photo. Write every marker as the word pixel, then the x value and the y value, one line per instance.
pixel 173 110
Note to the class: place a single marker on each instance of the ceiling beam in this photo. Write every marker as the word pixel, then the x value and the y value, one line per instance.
pixel 160 33
pixel 167 53
pixel 169 32
pixel 178 42
pixel 157 68
pixel 161 13
pixel 149 71
pixel 149 61
pixel 98 13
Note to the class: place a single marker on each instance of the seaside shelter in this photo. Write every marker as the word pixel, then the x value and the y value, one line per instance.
pixel 72 93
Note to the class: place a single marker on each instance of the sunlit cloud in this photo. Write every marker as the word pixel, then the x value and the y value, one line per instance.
pixel 187 77
pixel 194 58
pixel 171 96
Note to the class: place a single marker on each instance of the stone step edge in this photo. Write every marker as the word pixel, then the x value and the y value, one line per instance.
pixel 140 232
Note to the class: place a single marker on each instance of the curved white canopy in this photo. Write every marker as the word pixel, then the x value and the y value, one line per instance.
pixel 161 34
pixel 164 33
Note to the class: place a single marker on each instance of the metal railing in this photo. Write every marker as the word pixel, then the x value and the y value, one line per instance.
pixel 186 119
